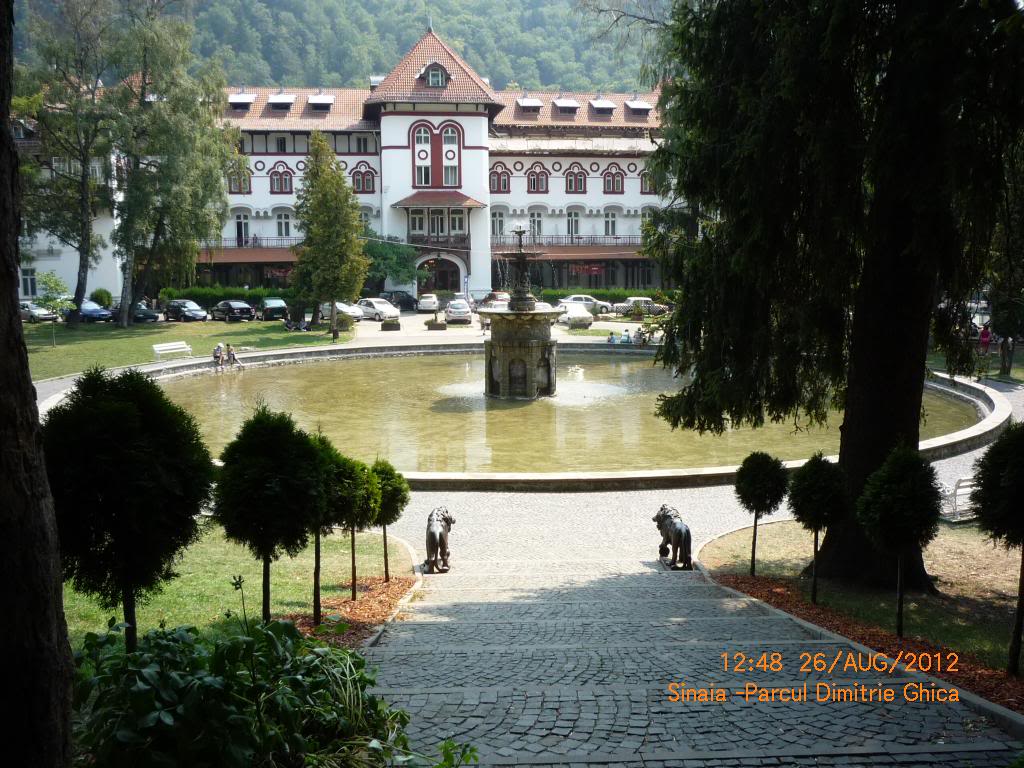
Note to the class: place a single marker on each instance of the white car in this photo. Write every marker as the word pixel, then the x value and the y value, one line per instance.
pixel 594 306
pixel 576 315
pixel 33 313
pixel 641 303
pixel 457 311
pixel 343 309
pixel 466 298
pixel 543 306
pixel 379 309
pixel 428 303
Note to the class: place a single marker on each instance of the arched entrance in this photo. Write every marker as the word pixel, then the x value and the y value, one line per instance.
pixel 444 273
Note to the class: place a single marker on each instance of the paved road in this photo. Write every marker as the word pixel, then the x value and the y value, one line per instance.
pixel 554 636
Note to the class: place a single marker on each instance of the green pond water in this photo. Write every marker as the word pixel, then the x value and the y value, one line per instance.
pixel 429 414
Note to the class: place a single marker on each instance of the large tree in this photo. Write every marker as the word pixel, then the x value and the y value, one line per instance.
pixel 76 42
pixel 173 153
pixel 843 159
pixel 331 253
pixel 37 695
pixel 1006 272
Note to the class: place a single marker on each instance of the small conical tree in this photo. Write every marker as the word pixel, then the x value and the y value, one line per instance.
pixel 362 491
pixel 817 496
pixel 760 488
pixel 394 497
pixel 128 504
pixel 899 510
pixel 998 500
pixel 269 489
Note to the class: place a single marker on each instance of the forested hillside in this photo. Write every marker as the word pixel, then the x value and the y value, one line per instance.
pixel 525 43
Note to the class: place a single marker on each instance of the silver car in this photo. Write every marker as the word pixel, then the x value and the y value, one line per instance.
pixel 594 306
pixel 458 311
pixel 33 313
pixel 428 302
pixel 343 309
pixel 379 309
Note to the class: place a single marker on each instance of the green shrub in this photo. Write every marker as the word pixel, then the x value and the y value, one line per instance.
pixel 208 295
pixel 760 487
pixel 102 297
pixel 611 295
pixel 817 496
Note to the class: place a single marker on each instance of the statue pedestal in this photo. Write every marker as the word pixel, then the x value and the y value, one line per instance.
pixel 520 355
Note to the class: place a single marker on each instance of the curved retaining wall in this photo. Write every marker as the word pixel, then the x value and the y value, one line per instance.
pixel 992 406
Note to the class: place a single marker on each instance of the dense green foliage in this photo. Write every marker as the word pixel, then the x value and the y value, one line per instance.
pixel 817 493
pixel 265 696
pixel 612 295
pixel 531 43
pixel 900 505
pixel 102 297
pixel 268 490
pixel 129 475
pixel 760 488
pixel 208 295
pixel 999 491
pixel 394 492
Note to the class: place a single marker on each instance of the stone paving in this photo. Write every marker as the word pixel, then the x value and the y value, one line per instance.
pixel 553 639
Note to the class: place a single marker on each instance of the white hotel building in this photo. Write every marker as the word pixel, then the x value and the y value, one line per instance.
pixel 439 159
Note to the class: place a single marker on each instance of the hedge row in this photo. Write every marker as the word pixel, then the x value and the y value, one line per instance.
pixel 612 295
pixel 208 295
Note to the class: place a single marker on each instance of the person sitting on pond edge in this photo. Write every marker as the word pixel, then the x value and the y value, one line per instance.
pixel 218 354
pixel 231 358
pixel 611 337
pixel 625 337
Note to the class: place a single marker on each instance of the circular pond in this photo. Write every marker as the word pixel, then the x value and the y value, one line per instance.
pixel 429 414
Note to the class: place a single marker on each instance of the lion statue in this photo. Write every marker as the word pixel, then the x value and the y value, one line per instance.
pixel 439 523
pixel 674 533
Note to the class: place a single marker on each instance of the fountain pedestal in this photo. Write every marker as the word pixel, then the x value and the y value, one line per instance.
pixel 520 355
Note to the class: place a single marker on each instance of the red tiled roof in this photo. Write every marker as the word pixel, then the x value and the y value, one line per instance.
pixel 345 114
pixel 585 116
pixel 438 199
pixel 405 83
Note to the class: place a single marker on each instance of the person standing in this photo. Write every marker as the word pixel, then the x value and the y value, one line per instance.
pixel 985 339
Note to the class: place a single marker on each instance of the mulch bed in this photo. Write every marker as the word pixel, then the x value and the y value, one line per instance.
pixel 376 600
pixel 992 684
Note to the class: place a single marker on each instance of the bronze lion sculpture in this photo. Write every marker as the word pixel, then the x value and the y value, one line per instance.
pixel 674 533
pixel 439 523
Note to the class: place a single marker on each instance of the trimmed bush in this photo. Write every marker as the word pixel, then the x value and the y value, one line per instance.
pixel 208 295
pixel 997 498
pixel 760 487
pixel 394 497
pixel 899 509
pixel 102 297
pixel 611 295
pixel 817 496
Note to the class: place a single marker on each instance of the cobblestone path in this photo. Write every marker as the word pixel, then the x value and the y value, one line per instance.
pixel 552 641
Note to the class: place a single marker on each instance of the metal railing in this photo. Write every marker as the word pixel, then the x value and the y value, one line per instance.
pixel 577 240
pixel 440 241
pixel 253 241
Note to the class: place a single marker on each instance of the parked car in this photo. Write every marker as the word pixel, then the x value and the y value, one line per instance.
pixel 356 313
pixel 273 309
pixel 545 307
pixel 400 299
pixel 466 298
pixel 641 303
pixel 494 296
pixel 428 303
pixel 594 306
pixel 485 322
pixel 576 315
pixel 233 310
pixel 458 311
pixel 33 313
pixel 379 309
pixel 184 310
pixel 93 313
pixel 141 313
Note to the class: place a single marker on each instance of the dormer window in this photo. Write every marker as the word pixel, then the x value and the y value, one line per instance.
pixel 566 106
pixel 529 105
pixel 435 77
pixel 639 107
pixel 602 106
pixel 320 102
pixel 241 101
pixel 281 102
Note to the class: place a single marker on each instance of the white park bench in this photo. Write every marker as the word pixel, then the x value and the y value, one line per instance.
pixel 958 507
pixel 172 348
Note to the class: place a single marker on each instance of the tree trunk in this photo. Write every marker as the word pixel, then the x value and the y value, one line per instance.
pixel 131 631
pixel 899 596
pixel 353 531
pixel 753 547
pixel 84 241
pixel 1013 667
pixel 334 322
pixel 317 617
pixel 814 571
pixel 266 590
pixel 37 684
pixel 387 575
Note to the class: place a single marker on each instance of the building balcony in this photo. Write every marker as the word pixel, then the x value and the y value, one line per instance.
pixel 253 241
pixel 454 242
pixel 511 241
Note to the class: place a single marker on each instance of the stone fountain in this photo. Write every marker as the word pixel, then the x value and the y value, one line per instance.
pixel 520 355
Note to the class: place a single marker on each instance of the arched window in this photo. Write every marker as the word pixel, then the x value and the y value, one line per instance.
pixel 536 224
pixel 646 185
pixel 613 180
pixel 575 180
pixel 280 182
pixel 357 181
pixel 537 179
pixel 421 147
pixel 436 77
pixel 364 217
pixel 499 179
pixel 284 225
pixel 609 224
pixel 646 215
pixel 240 185
pixel 497 223
pixel 572 223
pixel 362 179
pixel 450 148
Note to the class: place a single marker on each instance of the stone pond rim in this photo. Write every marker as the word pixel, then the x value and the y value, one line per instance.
pixel 996 409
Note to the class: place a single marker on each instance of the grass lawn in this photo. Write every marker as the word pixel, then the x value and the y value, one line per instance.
pixel 937 362
pixel 586 332
pixel 202 592
pixel 977 582
pixel 108 345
